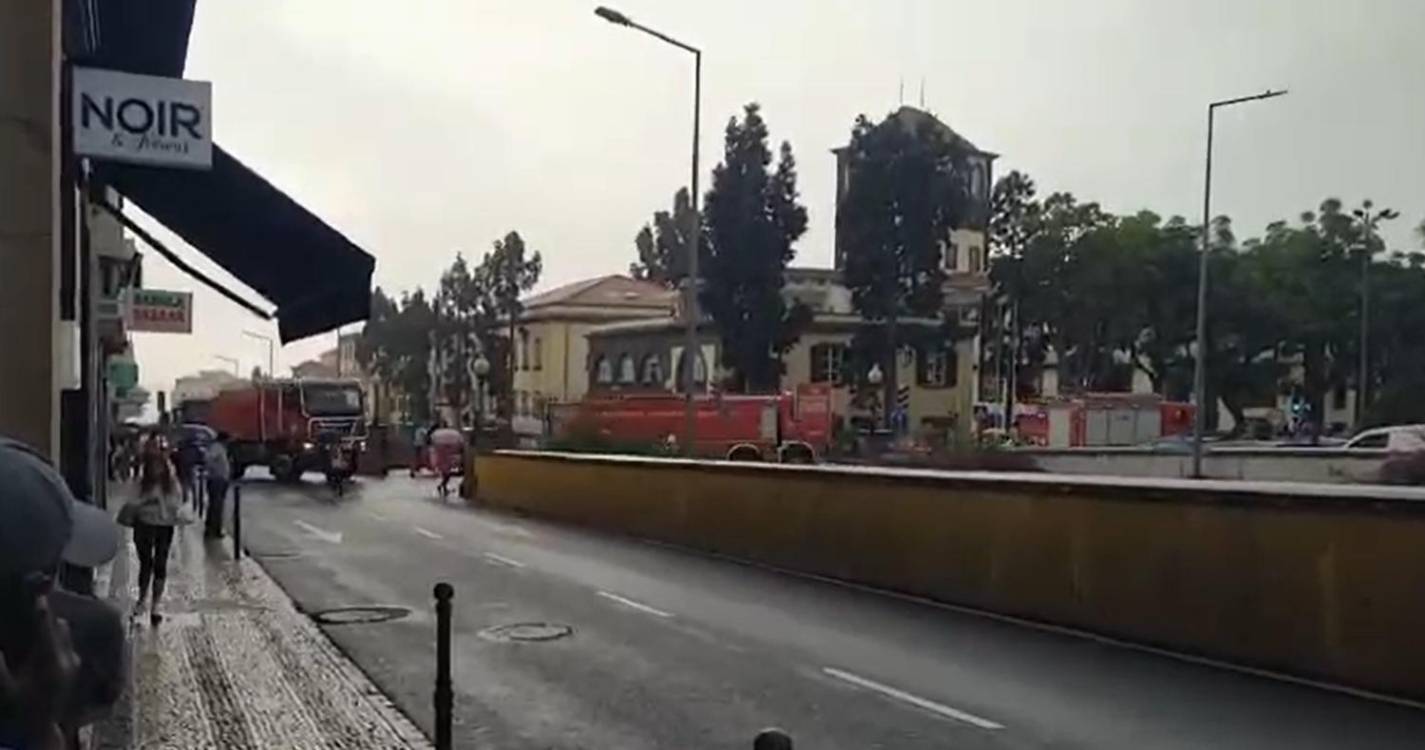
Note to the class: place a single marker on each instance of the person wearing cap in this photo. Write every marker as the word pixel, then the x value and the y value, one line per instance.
pixel 61 654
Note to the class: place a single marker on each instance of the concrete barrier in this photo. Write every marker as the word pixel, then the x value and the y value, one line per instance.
pixel 1322 582
pixel 1329 465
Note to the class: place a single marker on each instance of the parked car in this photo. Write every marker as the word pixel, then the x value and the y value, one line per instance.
pixel 1405 438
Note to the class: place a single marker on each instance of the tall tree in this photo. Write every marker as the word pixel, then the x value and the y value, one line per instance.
pixel 753 219
pixel 662 245
pixel 907 190
pixel 1013 223
pixel 507 271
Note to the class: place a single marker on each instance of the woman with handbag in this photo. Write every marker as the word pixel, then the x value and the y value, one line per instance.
pixel 158 508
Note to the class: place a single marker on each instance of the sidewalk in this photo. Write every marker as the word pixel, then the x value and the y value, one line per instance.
pixel 234 665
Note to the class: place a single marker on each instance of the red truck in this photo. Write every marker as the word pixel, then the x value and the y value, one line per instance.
pixel 789 427
pixel 293 426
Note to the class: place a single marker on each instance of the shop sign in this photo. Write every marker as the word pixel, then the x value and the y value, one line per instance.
pixel 158 311
pixel 164 122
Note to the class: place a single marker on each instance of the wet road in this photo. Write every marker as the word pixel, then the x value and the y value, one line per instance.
pixel 671 649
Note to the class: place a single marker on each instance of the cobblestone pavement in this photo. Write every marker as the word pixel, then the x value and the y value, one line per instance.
pixel 234 665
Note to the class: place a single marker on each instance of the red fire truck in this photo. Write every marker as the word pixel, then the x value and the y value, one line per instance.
pixel 790 427
pixel 293 426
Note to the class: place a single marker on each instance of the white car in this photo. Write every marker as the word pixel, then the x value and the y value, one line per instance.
pixel 1396 439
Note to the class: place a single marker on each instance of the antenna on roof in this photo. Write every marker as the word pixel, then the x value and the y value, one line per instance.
pixel 900 92
pixel 922 92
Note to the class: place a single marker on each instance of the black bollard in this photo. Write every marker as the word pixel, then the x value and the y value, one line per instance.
pixel 444 695
pixel 772 739
pixel 237 522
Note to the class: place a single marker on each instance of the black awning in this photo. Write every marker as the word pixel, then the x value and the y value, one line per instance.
pixel 316 277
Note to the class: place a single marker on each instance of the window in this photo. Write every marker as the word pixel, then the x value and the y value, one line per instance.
pixel 936 368
pixel 827 362
pixel 1377 440
pixel 523 352
pixel 976 262
pixel 603 371
pixel 700 369
pixel 538 353
pixel 625 369
pixel 652 370
pixel 952 256
pixel 1338 397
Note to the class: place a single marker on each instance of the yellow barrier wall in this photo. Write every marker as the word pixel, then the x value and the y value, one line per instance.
pixel 1319 582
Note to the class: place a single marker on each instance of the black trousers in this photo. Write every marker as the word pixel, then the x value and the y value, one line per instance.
pixel 152 544
pixel 217 494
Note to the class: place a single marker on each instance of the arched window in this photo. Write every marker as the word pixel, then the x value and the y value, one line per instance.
pixel 700 370
pixel 524 349
pixel 626 373
pixel 652 370
pixel 603 371
pixel 538 353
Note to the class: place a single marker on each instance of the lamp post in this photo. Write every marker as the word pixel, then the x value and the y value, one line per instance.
pixel 270 349
pixel 875 377
pixel 690 285
pixel 480 367
pixel 1199 370
pixel 1369 220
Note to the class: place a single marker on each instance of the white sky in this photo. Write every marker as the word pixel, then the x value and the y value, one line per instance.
pixel 426 127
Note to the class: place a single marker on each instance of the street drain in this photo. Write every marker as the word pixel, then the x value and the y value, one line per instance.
pixel 359 615
pixel 527 632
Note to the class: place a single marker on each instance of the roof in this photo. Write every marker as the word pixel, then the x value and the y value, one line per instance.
pixel 615 290
pixel 911 119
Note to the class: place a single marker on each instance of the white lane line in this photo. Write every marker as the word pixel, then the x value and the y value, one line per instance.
pixel 427 533
pixel 641 607
pixel 1202 661
pixel 914 700
pixel 377 516
pixel 502 560
pixel 331 537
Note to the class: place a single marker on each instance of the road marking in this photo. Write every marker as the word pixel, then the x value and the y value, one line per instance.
pixel 914 700
pixel 502 560
pixel 427 533
pixel 635 605
pixel 377 516
pixel 331 537
pixel 1202 661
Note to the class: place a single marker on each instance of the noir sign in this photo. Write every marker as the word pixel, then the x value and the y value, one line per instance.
pixel 158 311
pixel 142 119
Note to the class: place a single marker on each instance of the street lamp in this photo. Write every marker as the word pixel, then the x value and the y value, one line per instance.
pixel 480 368
pixel 690 286
pixel 1369 221
pixel 270 358
pixel 1199 370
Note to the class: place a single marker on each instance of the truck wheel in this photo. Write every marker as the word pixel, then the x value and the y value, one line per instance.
pixel 283 470
pixel 744 452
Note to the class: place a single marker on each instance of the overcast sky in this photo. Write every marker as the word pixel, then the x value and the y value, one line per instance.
pixel 423 128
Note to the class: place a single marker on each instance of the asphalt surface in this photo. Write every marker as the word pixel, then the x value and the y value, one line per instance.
pixel 672 649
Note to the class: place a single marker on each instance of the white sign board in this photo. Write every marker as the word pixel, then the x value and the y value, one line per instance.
pixel 165 122
pixel 158 311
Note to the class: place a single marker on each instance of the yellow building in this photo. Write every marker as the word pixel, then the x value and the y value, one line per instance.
pixel 551 348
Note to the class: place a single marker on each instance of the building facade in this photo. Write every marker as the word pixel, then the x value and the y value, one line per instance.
pixel 551 347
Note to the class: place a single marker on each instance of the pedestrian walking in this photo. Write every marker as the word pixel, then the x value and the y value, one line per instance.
pixel 447 448
pixel 153 515
pixel 219 473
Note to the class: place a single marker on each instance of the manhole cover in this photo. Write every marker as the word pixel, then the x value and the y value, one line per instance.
pixel 359 615
pixel 527 632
